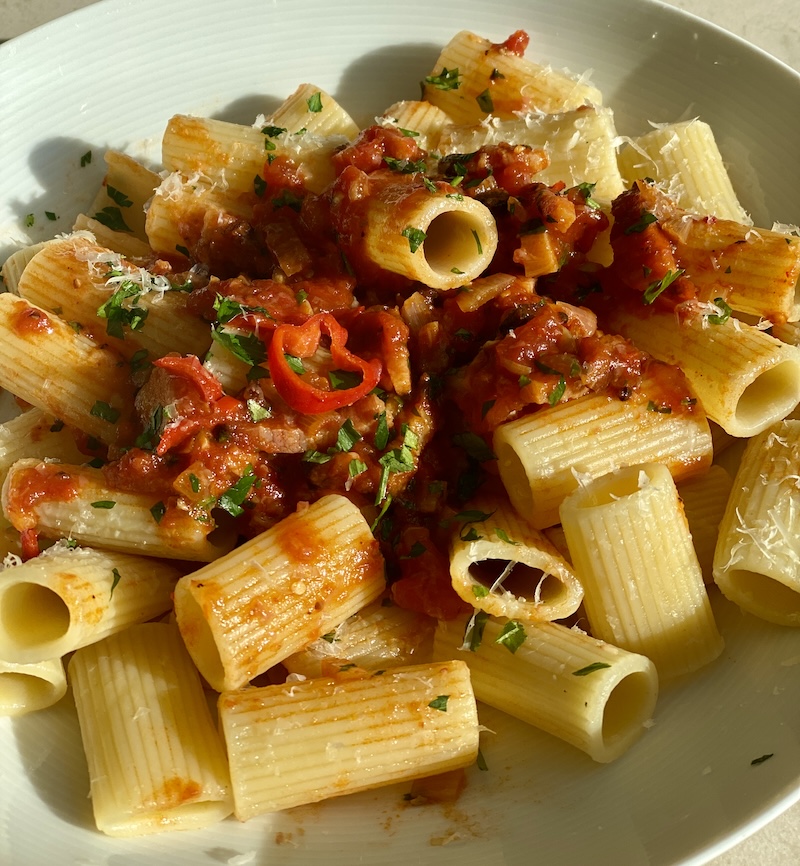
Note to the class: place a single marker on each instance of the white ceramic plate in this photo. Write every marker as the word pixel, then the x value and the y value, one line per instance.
pixel 112 74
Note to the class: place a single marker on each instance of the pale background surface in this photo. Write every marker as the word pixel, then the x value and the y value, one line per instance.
pixel 773 25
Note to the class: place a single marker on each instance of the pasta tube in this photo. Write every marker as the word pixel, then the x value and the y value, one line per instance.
pixel 16 263
pixel 64 599
pixel 745 379
pixel 127 187
pixel 30 687
pixel 755 269
pixel 442 241
pixel 278 592
pixel 380 635
pixel 44 362
pixel 684 158
pixel 593 695
pixel 58 500
pixel 704 500
pixel 305 742
pixel 474 77
pixel 114 303
pixel 643 587
pixel 156 761
pixel 541 456
pixel 757 560
pixel 501 565
pixel 580 146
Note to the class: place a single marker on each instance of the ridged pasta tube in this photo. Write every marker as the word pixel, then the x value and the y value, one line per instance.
pixel 64 599
pixel 156 761
pixel 279 591
pixel 303 742
pixel 643 587
pixel 595 696
pixel 757 560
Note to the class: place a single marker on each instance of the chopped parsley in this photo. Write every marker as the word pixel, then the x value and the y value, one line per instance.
pixel 104 411
pixel 475 446
pixel 115 581
pixel 724 314
pixel 590 669
pixel 381 439
pixel 246 347
pixel 485 102
pixel 344 380
pixel 117 315
pixel 158 511
pixel 512 636
pixel 641 224
pixel 314 103
pixel 416 237
pixel 756 761
pixel 406 166
pixel 86 159
pixel 586 190
pixel 440 703
pixel 231 500
pixel 289 199
pixel 259 186
pixel 103 504
pixel 257 411
pixel 111 217
pixel 447 79
pixel 503 536
pixel 658 286
pixel 473 633
pixel 119 198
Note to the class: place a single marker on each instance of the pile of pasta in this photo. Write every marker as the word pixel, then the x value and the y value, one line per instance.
pixel 346 430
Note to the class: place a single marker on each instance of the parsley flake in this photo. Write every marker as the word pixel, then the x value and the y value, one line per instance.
pixel 590 669
pixel 641 224
pixel 440 703
pixel 485 102
pixel 512 636
pixel 723 315
pixel 416 237
pixel 104 411
pixel 658 286
pixel 447 79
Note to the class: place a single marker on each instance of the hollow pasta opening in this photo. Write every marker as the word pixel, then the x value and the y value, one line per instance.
pixel 521 580
pixel 627 707
pixel 453 244
pixel 199 640
pixel 19 691
pixel 778 388
pixel 764 595
pixel 32 615
pixel 515 477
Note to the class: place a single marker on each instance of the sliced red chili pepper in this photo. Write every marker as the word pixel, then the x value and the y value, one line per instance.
pixel 302 341
pixel 189 367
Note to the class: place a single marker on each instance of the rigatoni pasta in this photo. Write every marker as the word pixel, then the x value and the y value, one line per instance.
pixel 755 563
pixel 332 736
pixel 315 391
pixel 68 597
pixel 156 761
pixel 278 592
pixel 643 587
pixel 595 696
